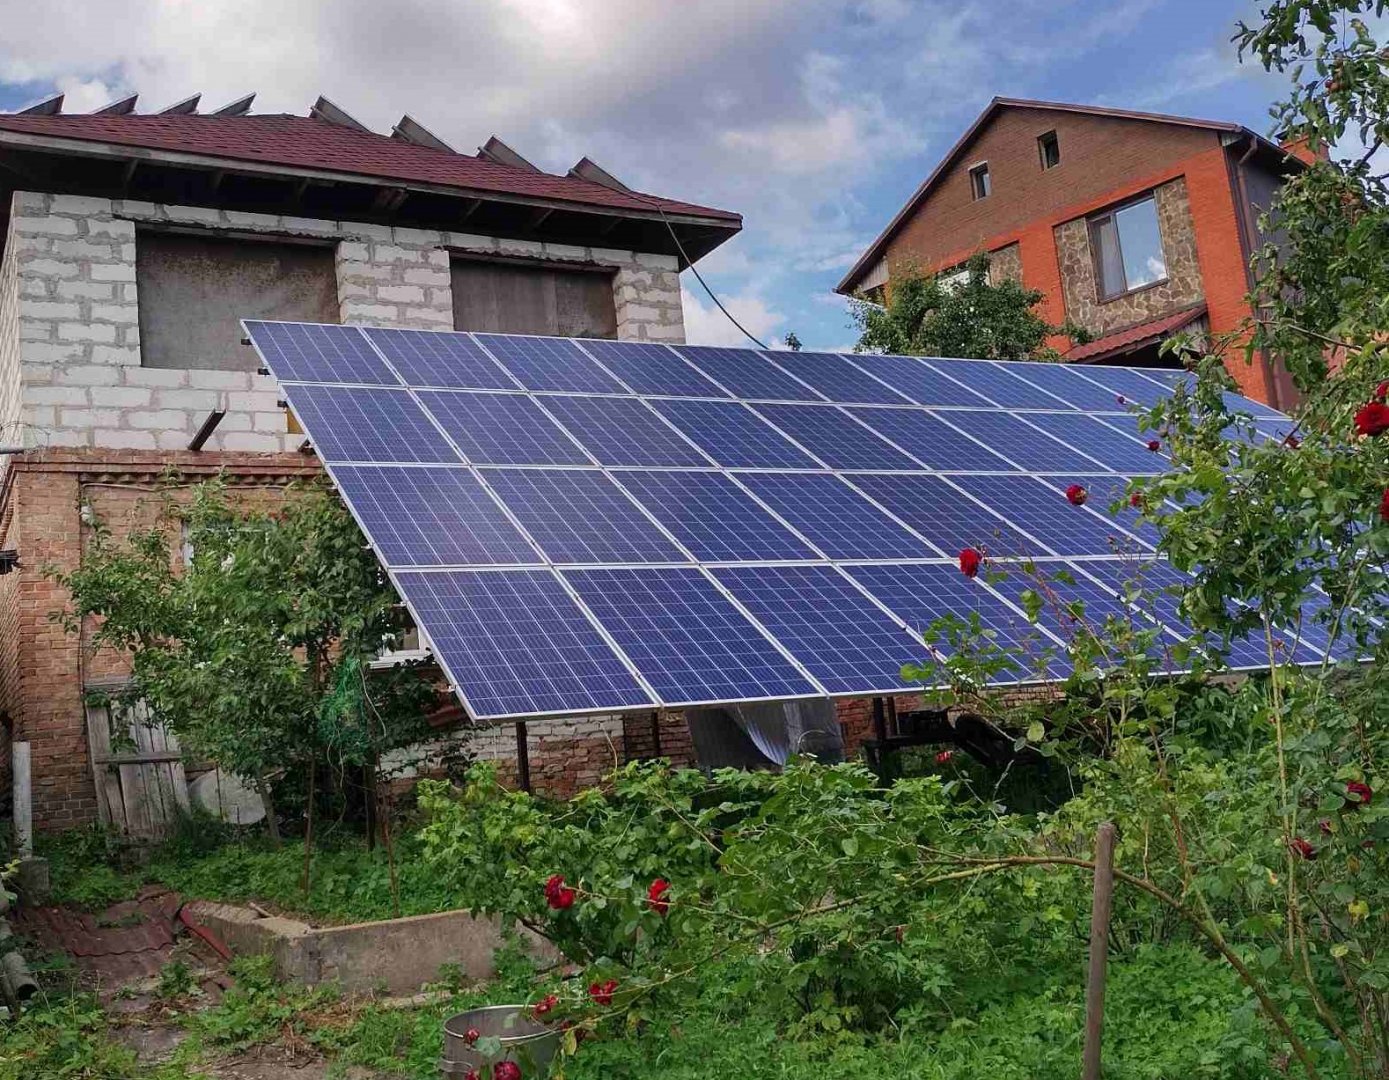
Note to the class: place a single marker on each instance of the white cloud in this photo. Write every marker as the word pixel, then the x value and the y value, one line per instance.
pixel 705 324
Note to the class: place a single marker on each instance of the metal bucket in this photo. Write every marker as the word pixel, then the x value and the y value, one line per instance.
pixel 524 1039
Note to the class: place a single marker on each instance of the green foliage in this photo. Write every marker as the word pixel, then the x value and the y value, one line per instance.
pixel 59 1037
pixel 254 653
pixel 926 316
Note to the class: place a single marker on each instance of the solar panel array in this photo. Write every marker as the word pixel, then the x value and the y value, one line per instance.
pixel 599 526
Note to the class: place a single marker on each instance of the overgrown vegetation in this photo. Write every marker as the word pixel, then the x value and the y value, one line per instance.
pixel 964 314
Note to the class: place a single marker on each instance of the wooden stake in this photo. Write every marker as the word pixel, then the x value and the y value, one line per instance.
pixel 1102 905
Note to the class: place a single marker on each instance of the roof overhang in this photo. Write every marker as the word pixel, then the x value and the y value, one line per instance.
pixel 88 167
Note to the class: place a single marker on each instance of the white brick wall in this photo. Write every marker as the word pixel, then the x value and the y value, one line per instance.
pixel 70 371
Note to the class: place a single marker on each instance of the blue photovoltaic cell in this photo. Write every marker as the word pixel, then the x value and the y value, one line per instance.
pixel 622 431
pixel 435 358
pixel 1068 385
pixel 835 376
pixel 515 643
pixel 1129 425
pixel 580 516
pixel 1240 403
pixel 1171 378
pixel 1276 430
pixel 919 381
pixel 944 516
pixel 713 517
pixel 546 363
pixel 1127 383
pixel 307 352
pixel 649 368
pixel 1123 453
pixel 835 632
pixel 1044 513
pixel 690 643
pixel 348 423
pixel 1019 442
pixel 1161 585
pixel 1059 599
pixel 835 518
pixel 734 436
pixel 920 594
pixel 931 441
pixel 431 517
pixel 835 437
pixel 994 382
pixel 502 429
pixel 746 374
pixel 1105 490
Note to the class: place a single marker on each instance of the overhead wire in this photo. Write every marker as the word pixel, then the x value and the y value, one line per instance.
pixel 700 278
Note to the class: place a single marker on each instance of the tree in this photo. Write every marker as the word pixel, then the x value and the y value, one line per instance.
pixel 255 653
pixel 931 315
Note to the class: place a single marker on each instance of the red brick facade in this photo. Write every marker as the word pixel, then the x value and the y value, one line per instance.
pixel 1107 158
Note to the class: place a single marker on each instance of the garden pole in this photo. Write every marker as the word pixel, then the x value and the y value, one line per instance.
pixel 523 758
pixel 22 782
pixel 1101 906
pixel 880 737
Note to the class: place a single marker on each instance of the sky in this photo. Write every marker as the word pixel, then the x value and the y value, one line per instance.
pixel 814 119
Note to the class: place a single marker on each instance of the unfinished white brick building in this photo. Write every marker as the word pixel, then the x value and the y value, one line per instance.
pixel 133 245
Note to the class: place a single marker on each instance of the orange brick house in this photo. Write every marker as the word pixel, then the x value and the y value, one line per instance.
pixel 1133 225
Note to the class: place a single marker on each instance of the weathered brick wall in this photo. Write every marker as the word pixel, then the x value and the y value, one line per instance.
pixel 1182 289
pixel 70 268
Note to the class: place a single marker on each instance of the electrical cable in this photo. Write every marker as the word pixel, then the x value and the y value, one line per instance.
pixel 700 278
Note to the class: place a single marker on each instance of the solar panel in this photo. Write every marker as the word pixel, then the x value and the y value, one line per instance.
pixel 950 520
pixel 685 637
pixel 713 517
pixel 734 435
pixel 931 440
pixel 835 437
pixel 1171 378
pixel 919 381
pixel 1068 384
pixel 431 516
pixel 1019 442
pixel 746 374
pixel 835 376
pixel 1044 513
pixel 1123 453
pixel 432 358
pixel 994 382
pixel 921 593
pixel 349 423
pixel 502 429
pixel 1240 403
pixel 580 516
pixel 514 643
pixel 649 368
pixel 600 526
pixel 1277 430
pixel 1129 425
pixel 622 431
pixel 545 363
pixel 841 637
pixel 308 352
pixel 835 518
pixel 1128 383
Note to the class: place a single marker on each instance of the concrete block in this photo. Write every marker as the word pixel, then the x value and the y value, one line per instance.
pixel 30 201
pixel 71 437
pixel 122 271
pixel 138 208
pixel 44 226
pixel 252 402
pixel 55 395
pixel 89 418
pixel 251 221
pixel 89 249
pixel 143 376
pixel 416 237
pixel 660 262
pixel 81 206
pixel 470 241
pixel 251 440
pixel 52 310
pixel 127 355
pixel 46 267
pixel 354 251
pixel 85 290
pixel 203 215
pixel 88 375
pixel 272 423
pixel 400 294
pixel 121 397
pixel 40 353
pixel 199 400
pixel 122 439
pixel 614 256
pixel 115 313
pixel 533 248
pixel 309 226
pixel 565 251
pixel 95 332
pixel 365 230
pixel 155 419
pixel 220 380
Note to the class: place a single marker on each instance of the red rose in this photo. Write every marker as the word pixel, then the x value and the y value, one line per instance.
pixel 944 757
pixel 1384 505
pixel 471 1036
pixel 1372 419
pixel 1359 794
pixel 1136 500
pixel 1382 391
pixel 557 894
pixel 1325 826
pixel 1154 445
pixel 1292 442
pixel 970 560
pixel 1076 495
pixel 658 896
pixel 1302 848
pixel 602 993
pixel 506 1070
pixel 471 1074
pixel 544 1006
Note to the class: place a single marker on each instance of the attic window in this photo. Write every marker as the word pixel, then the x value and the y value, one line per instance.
pixel 1049 150
pixel 979 183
